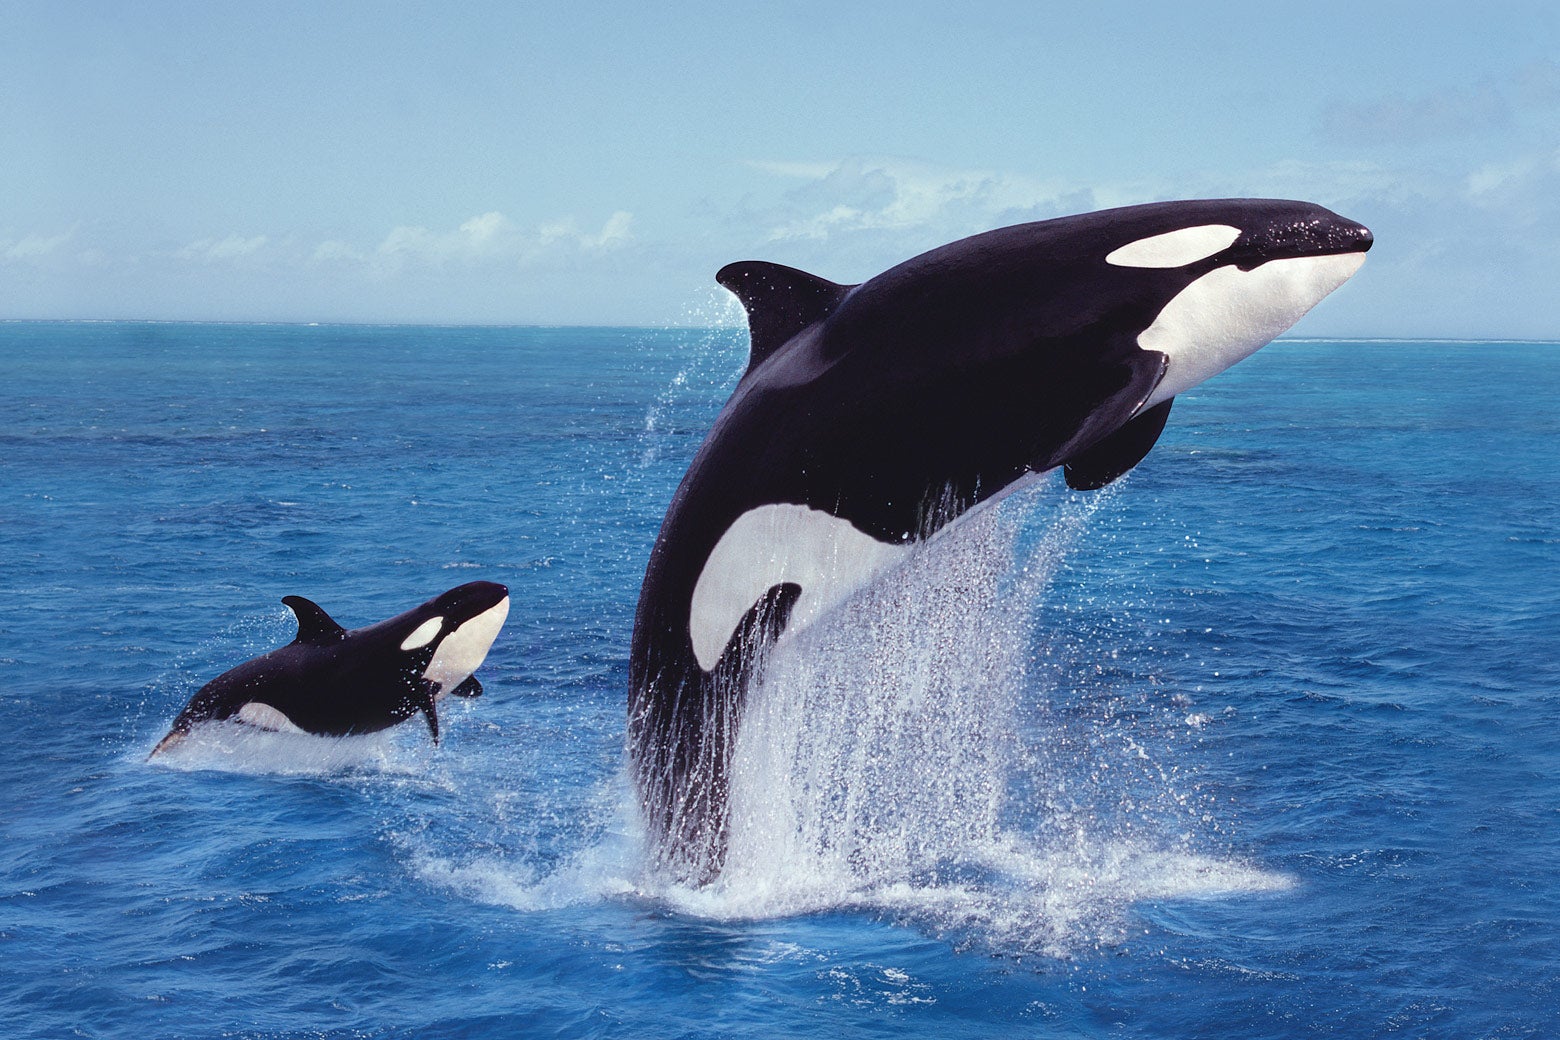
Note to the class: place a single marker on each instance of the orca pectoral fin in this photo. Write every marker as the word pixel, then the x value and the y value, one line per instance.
pixel 425 703
pixel 763 623
pixel 470 688
pixel 1101 463
pixel 174 737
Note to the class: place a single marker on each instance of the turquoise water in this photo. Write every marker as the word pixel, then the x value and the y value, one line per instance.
pixel 1264 741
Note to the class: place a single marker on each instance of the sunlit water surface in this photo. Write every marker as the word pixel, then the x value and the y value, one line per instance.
pixel 1263 741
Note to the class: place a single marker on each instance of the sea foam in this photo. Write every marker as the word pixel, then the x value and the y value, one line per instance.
pixel 918 754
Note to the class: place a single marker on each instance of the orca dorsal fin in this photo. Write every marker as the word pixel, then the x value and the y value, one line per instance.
pixel 315 627
pixel 780 302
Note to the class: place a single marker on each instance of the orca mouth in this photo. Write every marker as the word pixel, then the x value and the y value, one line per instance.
pixel 1296 239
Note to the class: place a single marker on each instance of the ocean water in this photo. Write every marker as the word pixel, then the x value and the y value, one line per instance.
pixel 1262 741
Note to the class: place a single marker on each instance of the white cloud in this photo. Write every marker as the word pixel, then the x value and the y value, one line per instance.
pixel 907 206
pixel 487 237
pixel 213 250
pixel 409 241
pixel 917 201
pixel 615 232
pixel 336 251
pixel 1489 179
pixel 1449 233
pixel 819 226
pixel 36 247
pixel 558 231
pixel 484 229
pixel 1517 203
pixel 1530 178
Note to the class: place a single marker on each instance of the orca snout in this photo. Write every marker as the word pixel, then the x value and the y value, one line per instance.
pixel 1348 237
pixel 472 598
pixel 1319 233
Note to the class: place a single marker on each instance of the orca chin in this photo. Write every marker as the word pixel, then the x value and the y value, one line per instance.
pixel 872 415
pixel 333 682
pixel 1232 312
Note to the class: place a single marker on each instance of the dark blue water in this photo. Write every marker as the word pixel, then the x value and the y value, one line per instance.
pixel 1263 742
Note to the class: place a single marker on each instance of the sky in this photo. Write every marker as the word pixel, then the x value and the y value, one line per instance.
pixel 590 163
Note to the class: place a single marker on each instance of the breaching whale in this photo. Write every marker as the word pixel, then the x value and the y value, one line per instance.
pixel 871 415
pixel 332 682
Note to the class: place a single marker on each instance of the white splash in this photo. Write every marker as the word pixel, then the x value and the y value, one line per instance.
pixel 238 748
pixel 922 753
pixel 899 756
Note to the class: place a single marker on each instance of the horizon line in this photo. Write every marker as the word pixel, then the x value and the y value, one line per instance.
pixel 1308 338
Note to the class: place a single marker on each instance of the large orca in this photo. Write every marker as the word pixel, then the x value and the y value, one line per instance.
pixel 332 682
pixel 871 415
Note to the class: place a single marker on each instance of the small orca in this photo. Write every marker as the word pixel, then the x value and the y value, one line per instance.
pixel 872 415
pixel 332 682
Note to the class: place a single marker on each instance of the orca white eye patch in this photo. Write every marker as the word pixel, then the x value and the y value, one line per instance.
pixel 423 634
pixel 1175 248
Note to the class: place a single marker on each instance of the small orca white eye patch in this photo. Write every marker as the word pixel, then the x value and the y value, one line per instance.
pixel 1175 248
pixel 423 634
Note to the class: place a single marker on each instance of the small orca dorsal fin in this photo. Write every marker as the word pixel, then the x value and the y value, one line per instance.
pixel 1102 463
pixel 780 302
pixel 315 627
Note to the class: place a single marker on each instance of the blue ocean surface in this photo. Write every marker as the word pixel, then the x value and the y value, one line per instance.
pixel 1263 741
